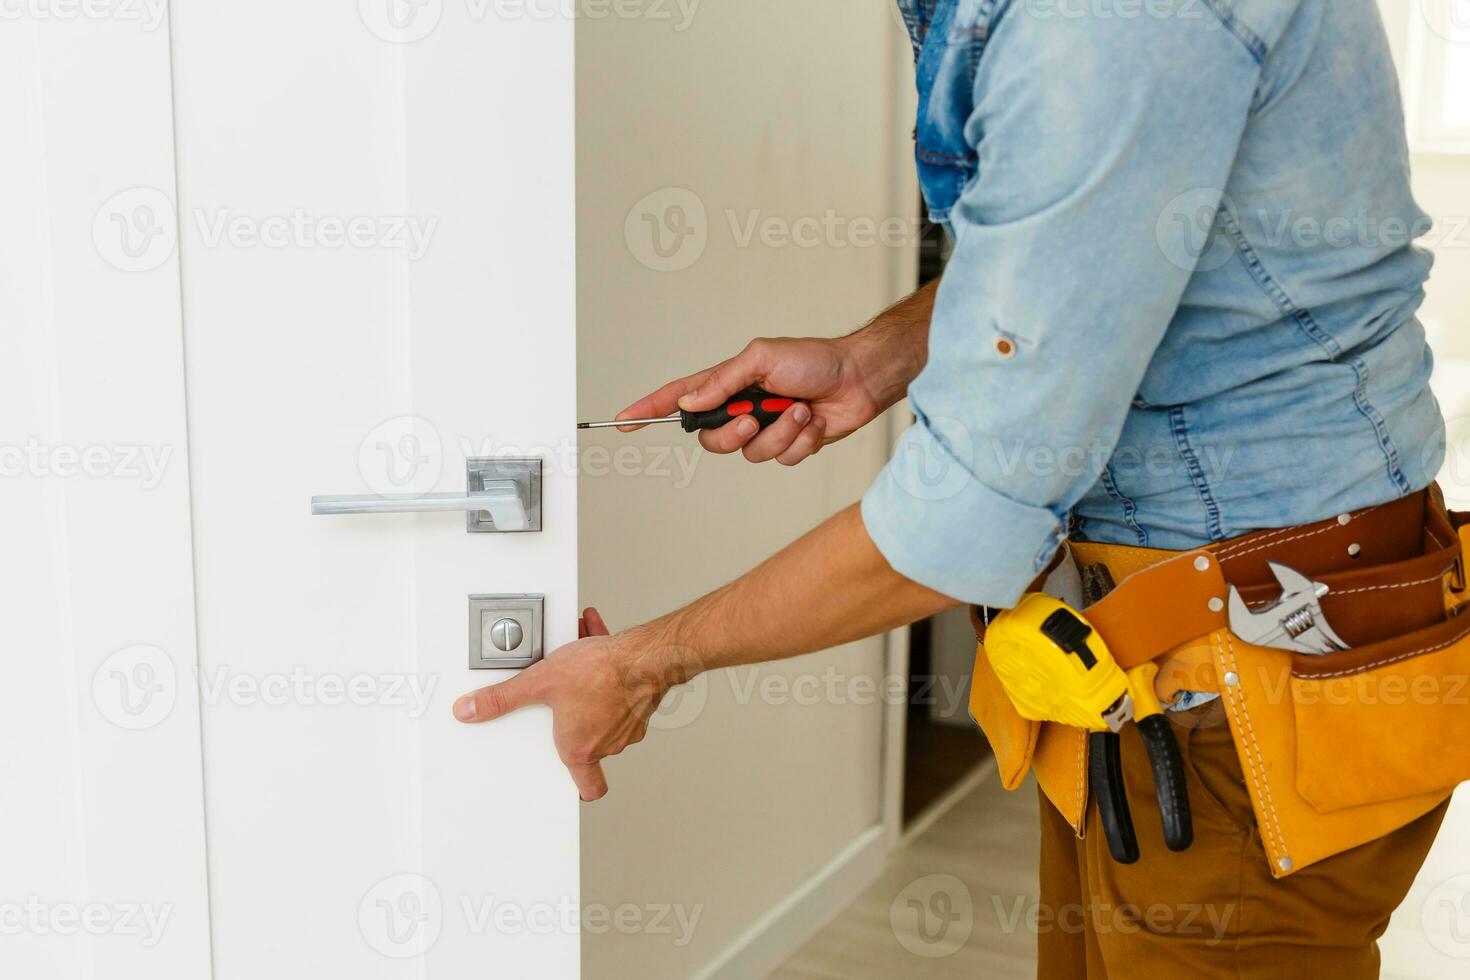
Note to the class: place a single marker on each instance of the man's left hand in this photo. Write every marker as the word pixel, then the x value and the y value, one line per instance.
pixel 599 704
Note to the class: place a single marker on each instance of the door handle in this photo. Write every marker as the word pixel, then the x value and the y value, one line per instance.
pixel 503 495
pixel 499 499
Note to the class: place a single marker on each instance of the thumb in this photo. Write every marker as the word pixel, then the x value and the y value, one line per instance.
pixel 489 703
pixel 591 783
pixel 729 377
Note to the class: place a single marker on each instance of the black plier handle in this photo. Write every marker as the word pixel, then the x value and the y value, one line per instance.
pixel 1105 764
pixel 1105 767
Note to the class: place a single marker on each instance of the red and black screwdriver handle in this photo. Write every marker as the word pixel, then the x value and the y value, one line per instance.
pixel 759 404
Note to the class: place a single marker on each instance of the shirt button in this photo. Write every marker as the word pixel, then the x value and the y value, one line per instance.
pixel 1005 348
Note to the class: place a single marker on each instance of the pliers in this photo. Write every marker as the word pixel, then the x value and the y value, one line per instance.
pixel 1105 754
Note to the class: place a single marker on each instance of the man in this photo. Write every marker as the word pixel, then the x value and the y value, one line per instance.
pixel 1180 308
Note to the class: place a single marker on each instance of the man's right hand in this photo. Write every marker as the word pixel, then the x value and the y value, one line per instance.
pixel 841 385
pixel 821 373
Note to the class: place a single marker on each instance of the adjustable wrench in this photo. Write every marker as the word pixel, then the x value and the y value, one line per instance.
pixel 1294 622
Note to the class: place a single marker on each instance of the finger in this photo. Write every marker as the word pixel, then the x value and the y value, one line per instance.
pixel 806 444
pixel 730 437
pixel 489 703
pixel 729 377
pixel 595 624
pixel 591 783
pixel 779 435
pixel 663 402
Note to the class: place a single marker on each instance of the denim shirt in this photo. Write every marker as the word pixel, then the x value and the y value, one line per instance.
pixel 1181 303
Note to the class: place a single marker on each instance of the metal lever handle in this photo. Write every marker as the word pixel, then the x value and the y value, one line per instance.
pixel 501 499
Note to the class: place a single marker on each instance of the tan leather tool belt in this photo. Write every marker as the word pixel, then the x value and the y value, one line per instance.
pixel 1337 750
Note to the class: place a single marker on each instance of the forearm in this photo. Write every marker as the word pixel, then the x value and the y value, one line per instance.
pixel 894 347
pixel 830 587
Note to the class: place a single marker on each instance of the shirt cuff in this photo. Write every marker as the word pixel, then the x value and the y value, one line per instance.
pixel 939 525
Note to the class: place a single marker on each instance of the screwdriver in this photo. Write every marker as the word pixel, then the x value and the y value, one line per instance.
pixel 759 404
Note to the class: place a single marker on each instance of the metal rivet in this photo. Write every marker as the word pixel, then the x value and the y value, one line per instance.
pixel 1354 550
pixel 1217 604
pixel 1285 864
pixel 1345 519
pixel 1005 347
pixel 1202 564
pixel 506 634
pixel 1232 679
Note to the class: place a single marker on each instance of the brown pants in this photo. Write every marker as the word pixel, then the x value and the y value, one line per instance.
pixel 1213 911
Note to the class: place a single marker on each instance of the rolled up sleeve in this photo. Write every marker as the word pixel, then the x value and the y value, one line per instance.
pixel 1096 138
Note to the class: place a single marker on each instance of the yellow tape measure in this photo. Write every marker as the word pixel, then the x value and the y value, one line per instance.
pixel 1056 667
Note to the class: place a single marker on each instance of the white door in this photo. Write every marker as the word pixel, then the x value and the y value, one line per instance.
pixel 288 250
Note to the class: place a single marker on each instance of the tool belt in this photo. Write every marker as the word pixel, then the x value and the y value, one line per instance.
pixel 1337 749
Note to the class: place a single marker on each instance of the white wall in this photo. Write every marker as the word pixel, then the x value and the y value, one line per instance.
pixel 773 111
pixel 1426 938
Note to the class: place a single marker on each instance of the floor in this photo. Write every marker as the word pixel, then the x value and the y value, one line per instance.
pixel 954 902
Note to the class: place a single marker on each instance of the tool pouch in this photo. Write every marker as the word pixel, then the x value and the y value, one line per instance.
pixel 1058 753
pixel 1336 750
pixel 1012 738
pixel 1342 749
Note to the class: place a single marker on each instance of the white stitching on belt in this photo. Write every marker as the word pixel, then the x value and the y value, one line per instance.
pixel 1082 779
pixel 1384 663
pixel 1396 585
pixel 1257 765
pixel 1225 554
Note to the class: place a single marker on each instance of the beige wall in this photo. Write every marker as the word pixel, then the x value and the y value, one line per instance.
pixel 774 110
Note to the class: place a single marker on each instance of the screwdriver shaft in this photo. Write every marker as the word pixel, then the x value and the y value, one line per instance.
pixel 611 425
